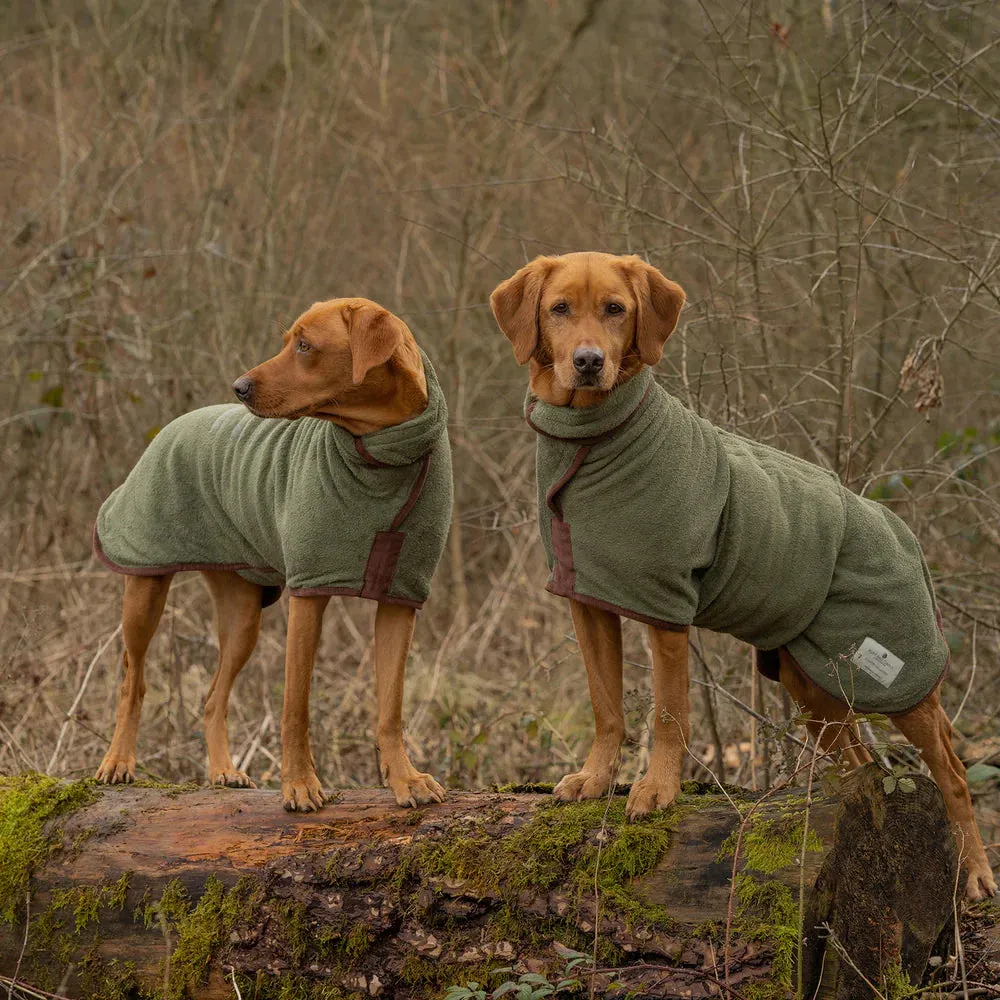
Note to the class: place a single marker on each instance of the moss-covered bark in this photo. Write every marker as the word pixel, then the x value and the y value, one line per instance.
pixel 195 893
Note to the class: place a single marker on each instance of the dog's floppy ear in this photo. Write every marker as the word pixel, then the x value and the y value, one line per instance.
pixel 515 305
pixel 658 306
pixel 374 334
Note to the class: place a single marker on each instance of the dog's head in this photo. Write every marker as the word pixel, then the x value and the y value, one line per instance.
pixel 586 322
pixel 344 358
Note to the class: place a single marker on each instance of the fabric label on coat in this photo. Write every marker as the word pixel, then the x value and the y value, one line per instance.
pixel 878 662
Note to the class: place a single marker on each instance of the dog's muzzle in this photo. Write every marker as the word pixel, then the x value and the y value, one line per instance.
pixel 588 363
pixel 243 387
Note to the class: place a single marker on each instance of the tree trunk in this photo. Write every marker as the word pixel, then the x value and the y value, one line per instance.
pixel 184 892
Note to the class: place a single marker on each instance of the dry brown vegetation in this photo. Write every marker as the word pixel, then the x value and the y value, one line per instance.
pixel 181 179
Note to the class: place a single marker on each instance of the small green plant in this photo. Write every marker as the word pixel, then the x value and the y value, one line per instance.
pixel 898 780
pixel 528 986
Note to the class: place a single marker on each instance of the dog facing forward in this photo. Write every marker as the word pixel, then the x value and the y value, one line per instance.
pixel 650 512
pixel 332 478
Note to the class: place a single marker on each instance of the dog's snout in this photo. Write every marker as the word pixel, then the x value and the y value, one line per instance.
pixel 243 387
pixel 588 360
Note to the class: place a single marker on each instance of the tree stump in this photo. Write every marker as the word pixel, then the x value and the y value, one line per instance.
pixel 194 892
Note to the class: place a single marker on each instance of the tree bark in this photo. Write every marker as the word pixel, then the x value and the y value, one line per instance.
pixel 181 892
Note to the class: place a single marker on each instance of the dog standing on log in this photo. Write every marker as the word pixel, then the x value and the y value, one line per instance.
pixel 648 511
pixel 350 494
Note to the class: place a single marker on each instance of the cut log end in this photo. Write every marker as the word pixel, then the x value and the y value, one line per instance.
pixel 198 892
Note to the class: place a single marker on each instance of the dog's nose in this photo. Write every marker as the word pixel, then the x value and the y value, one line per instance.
pixel 588 360
pixel 243 387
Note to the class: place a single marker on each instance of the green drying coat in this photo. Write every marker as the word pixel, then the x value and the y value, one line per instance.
pixel 652 512
pixel 298 503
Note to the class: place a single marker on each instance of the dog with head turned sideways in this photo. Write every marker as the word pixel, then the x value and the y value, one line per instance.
pixel 331 476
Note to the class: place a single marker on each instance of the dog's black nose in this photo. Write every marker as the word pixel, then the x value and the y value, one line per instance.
pixel 588 360
pixel 243 387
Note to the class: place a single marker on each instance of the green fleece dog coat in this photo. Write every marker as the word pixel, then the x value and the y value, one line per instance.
pixel 652 512
pixel 301 503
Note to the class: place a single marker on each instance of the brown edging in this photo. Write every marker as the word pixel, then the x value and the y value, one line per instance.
pixel 367 455
pixel 235 568
pixel 596 602
pixel 574 468
pixel 418 488
pixel 165 570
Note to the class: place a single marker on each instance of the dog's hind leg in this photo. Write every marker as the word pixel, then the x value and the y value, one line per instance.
pixel 599 634
pixel 142 606
pixel 237 611
pixel 393 632
pixel 829 723
pixel 928 728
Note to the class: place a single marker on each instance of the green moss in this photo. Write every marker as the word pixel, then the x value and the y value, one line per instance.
pixel 771 843
pixel 172 906
pixel 526 788
pixel 27 803
pixel 359 941
pixel 112 980
pixel 86 902
pixel 558 846
pixel 767 911
pixel 267 987
pixel 896 983
pixel 295 927
pixel 432 976
pixel 203 927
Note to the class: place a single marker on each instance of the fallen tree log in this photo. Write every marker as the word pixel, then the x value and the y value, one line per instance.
pixel 180 892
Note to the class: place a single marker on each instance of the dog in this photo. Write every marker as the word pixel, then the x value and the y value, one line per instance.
pixel 720 521
pixel 332 475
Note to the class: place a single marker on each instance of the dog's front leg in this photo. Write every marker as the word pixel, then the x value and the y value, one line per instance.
pixel 393 632
pixel 300 787
pixel 599 634
pixel 659 786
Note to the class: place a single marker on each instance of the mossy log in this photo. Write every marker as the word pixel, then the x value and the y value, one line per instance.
pixel 143 891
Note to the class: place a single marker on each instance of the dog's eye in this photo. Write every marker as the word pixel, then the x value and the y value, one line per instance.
pixel 561 307
pixel 302 347
pixel 614 308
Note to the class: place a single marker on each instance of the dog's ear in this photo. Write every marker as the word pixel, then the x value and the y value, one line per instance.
pixel 374 334
pixel 658 306
pixel 515 305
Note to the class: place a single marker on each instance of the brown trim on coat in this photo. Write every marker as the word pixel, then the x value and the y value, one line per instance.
pixel 556 487
pixel 382 561
pixel 563 572
pixel 269 592
pixel 359 447
pixel 418 488
pixel 596 602
pixel 167 568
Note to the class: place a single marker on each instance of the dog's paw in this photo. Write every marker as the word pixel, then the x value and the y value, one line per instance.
pixel 582 785
pixel 981 884
pixel 116 770
pixel 415 789
pixel 650 793
pixel 230 778
pixel 302 795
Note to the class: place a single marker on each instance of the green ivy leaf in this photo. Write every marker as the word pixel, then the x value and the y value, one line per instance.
pixel 907 785
pixel 889 784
